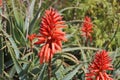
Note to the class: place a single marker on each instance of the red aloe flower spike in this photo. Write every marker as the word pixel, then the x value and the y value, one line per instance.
pixel 0 3
pixel 87 28
pixel 99 66
pixel 51 35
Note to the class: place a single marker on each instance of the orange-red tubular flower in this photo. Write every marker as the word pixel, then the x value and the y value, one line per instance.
pixel 31 37
pixel 50 34
pixel 99 66
pixel 87 28
pixel 0 3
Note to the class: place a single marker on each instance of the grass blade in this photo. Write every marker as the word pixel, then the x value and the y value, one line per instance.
pixel 72 73
pixel 14 46
pixel 15 61
pixel 40 77
pixel 1 57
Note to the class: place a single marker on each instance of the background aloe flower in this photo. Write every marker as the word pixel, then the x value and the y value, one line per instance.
pixel 50 34
pixel 31 37
pixel 0 3
pixel 99 66
pixel 87 28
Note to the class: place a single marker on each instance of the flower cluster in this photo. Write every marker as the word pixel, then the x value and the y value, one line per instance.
pixel 99 66
pixel 87 28
pixel 51 35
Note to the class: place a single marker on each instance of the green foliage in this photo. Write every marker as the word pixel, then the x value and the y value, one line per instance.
pixel 23 17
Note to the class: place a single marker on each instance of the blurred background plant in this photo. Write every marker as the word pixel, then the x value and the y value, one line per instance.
pixel 22 17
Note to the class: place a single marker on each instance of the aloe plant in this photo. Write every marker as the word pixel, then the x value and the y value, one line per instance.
pixel 20 18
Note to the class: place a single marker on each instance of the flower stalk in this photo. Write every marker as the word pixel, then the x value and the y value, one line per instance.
pixel 49 69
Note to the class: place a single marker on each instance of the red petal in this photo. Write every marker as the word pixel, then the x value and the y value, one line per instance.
pixel 60 22
pixel 98 78
pixel 48 55
pixel 59 43
pixel 40 40
pixel 53 47
pixel 41 53
pixel 57 47
pixel 41 60
pixel 46 51
pixel 101 75
pixel 59 32
pixel 44 33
